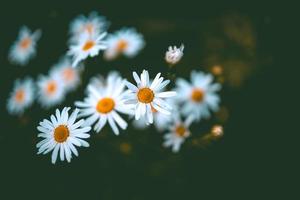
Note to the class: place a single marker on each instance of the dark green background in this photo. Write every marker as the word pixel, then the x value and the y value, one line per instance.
pixel 249 162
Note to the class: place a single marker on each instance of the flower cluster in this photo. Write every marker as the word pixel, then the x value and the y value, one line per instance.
pixel 113 100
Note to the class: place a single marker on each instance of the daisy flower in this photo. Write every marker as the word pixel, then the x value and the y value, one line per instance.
pixel 61 134
pixel 174 54
pixel 125 41
pixel 86 45
pixel 21 97
pixel 92 24
pixel 69 76
pixel 104 104
pixel 50 90
pixel 198 97
pixel 146 96
pixel 178 132
pixel 24 48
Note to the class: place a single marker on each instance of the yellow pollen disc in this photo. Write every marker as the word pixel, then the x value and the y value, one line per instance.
pixel 145 95
pixel 51 87
pixel 68 74
pixel 88 45
pixel 20 95
pixel 105 105
pixel 61 133
pixel 180 131
pixel 122 45
pixel 24 44
pixel 197 95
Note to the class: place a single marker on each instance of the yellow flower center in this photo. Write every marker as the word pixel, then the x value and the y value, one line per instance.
pixel 61 133
pixel 88 45
pixel 51 87
pixel 122 45
pixel 145 95
pixel 180 130
pixel 20 95
pixel 197 95
pixel 105 105
pixel 68 74
pixel 24 44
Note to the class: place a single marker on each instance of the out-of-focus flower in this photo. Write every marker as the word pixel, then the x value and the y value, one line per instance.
pixel 24 48
pixel 50 90
pixel 147 96
pixel 174 54
pixel 217 131
pixel 92 24
pixel 99 82
pixel 178 132
pixel 69 76
pixel 198 97
pixel 126 41
pixel 102 105
pixel 86 45
pixel 62 134
pixel 21 97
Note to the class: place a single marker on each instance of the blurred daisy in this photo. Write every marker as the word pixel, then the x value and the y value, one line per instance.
pixel 200 96
pixel 178 132
pixel 103 105
pixel 61 134
pixel 174 54
pixel 24 48
pixel 86 45
pixel 92 24
pixel 125 41
pixel 69 76
pixel 21 97
pixel 147 96
pixel 99 82
pixel 50 90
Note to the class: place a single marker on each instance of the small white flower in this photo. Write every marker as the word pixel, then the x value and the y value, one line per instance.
pixel 86 45
pixel 178 132
pixel 126 42
pixel 148 95
pixel 200 96
pixel 61 134
pixel 103 104
pixel 50 90
pixel 21 97
pixel 69 75
pixel 93 24
pixel 174 54
pixel 24 48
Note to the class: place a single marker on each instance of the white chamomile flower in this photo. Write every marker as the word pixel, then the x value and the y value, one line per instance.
pixel 93 24
pixel 24 48
pixel 103 105
pixel 21 97
pixel 69 75
pixel 174 54
pixel 61 134
pixel 50 90
pixel 146 96
pixel 86 45
pixel 178 132
pixel 126 41
pixel 200 96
